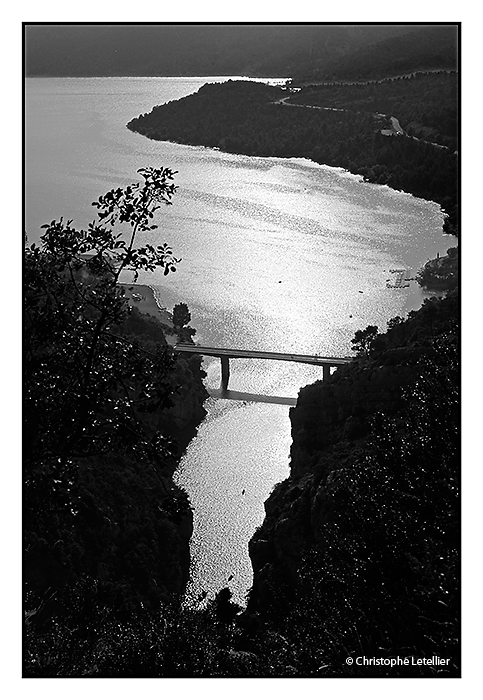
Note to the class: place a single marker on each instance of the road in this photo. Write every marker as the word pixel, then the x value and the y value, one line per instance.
pixel 394 130
pixel 258 354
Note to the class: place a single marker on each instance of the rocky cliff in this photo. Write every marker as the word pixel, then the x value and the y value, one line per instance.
pixel 125 541
pixel 360 537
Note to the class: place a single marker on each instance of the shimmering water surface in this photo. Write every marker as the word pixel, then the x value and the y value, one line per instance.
pixel 277 254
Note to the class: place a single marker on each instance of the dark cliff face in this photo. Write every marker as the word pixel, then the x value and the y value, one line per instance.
pixel 365 530
pixel 126 542
pixel 330 425
pixel 183 418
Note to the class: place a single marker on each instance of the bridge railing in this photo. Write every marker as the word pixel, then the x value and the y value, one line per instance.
pixel 225 354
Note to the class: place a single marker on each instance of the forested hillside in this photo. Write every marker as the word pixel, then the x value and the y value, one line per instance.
pixel 424 48
pixel 425 104
pixel 304 51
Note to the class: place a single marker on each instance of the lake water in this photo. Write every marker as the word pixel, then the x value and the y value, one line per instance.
pixel 277 254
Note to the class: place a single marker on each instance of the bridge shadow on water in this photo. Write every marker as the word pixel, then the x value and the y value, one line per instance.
pixel 253 398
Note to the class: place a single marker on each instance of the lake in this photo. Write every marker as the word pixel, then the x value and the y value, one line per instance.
pixel 277 254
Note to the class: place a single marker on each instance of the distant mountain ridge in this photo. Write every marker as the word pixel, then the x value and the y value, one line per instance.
pixel 307 51
pixel 430 49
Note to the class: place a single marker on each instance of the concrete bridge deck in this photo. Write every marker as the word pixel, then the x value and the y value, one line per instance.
pixel 260 354
pixel 226 353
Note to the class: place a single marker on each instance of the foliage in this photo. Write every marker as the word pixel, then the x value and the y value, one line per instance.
pixel 430 48
pixel 135 206
pixel 181 316
pixel 363 341
pixel 442 273
pixel 91 640
pixel 98 379
pixel 393 322
pixel 426 104
pixel 117 523
pixel 85 387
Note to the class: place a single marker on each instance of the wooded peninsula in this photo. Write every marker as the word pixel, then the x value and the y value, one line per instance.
pixel 342 125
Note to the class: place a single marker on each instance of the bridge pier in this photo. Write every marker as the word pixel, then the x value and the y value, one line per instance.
pixel 225 354
pixel 225 372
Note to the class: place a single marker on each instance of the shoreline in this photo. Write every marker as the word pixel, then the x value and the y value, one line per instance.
pixel 143 297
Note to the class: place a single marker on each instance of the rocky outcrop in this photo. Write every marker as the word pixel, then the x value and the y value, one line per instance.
pixel 182 419
pixel 180 422
pixel 128 530
pixel 331 425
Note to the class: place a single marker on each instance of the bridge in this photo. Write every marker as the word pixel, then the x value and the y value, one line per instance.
pixel 225 354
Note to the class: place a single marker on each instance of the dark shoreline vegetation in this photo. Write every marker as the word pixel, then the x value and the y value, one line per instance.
pixel 359 551
pixel 338 124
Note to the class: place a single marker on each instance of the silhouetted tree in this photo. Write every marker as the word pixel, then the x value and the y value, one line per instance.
pixel 181 316
pixel 363 341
